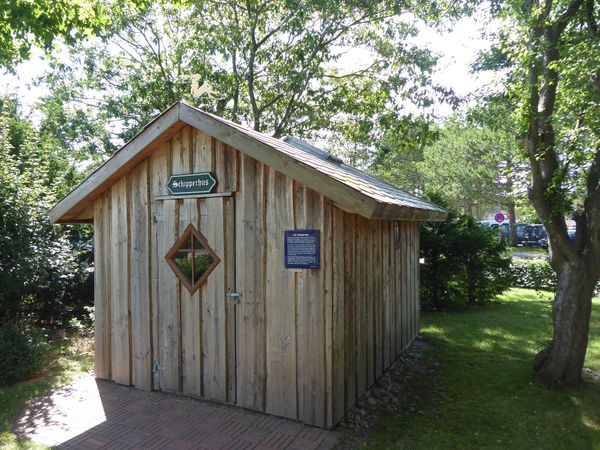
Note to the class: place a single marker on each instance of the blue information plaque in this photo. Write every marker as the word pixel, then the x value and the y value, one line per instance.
pixel 302 249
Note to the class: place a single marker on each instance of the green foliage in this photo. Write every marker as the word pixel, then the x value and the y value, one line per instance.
pixel 21 354
pixel 398 155
pixel 535 274
pixel 43 268
pixel 471 160
pixel 466 165
pixel 278 66
pixel 553 61
pixel 551 56
pixel 465 264
pixel 26 23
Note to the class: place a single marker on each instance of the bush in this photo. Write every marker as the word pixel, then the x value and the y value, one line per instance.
pixel 465 264
pixel 44 269
pixel 534 274
pixel 21 354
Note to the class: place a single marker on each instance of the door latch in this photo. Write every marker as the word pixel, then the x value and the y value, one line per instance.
pixel 235 297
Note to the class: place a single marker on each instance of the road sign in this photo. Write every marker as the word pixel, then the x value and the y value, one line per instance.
pixel 191 183
pixel 499 217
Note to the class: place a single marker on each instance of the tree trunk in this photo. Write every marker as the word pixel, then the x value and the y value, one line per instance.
pixel 512 224
pixel 561 362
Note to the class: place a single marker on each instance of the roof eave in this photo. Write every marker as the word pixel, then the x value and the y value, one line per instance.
pixel 132 153
pixel 342 195
pixel 76 206
pixel 387 211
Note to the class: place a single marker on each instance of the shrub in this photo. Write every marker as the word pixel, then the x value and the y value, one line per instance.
pixel 44 269
pixel 21 354
pixel 534 274
pixel 465 264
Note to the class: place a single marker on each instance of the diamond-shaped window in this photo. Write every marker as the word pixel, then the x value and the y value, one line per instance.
pixel 192 259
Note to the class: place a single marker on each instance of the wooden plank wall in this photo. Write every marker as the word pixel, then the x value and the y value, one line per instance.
pixel 375 279
pixel 143 315
pixel 303 344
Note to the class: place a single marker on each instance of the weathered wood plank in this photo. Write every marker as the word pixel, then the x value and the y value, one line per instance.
pixel 120 344
pixel 102 288
pixel 370 296
pixel 140 272
pixel 378 298
pixel 227 172
pixel 214 308
pixel 392 293
pixel 405 284
pixel 169 314
pixel 250 229
pixel 361 304
pixel 187 210
pixel 281 397
pixel 410 284
pixel 414 264
pixel 158 173
pixel 226 167
pixel 338 242
pixel 418 275
pixel 202 161
pixel 350 313
pixel 387 329
pixel 299 223
pixel 328 301
pixel 229 282
pixel 314 358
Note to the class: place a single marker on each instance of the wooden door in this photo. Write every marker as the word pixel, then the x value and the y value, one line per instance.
pixel 196 330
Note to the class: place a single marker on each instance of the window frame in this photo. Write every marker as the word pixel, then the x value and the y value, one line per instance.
pixel 179 247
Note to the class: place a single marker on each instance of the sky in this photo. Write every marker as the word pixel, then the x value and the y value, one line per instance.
pixel 456 48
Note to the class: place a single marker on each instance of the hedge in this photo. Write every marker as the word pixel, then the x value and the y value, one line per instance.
pixel 21 354
pixel 535 274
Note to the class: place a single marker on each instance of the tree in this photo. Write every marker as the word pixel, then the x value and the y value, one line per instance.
pixel 553 51
pixel 494 112
pixel 43 268
pixel 273 65
pixel 471 160
pixel 27 23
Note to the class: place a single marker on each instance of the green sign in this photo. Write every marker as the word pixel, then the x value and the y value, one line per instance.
pixel 191 183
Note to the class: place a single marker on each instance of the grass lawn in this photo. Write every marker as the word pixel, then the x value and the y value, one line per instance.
pixel 66 360
pixel 529 249
pixel 485 397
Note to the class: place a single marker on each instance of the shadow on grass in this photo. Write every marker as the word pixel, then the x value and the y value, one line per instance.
pixel 486 397
pixel 64 363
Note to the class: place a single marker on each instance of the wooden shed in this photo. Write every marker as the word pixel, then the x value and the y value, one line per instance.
pixel 267 275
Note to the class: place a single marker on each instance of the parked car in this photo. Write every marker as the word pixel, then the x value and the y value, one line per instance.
pixel 533 233
pixel 527 234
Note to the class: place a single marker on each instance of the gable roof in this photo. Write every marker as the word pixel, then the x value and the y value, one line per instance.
pixel 349 188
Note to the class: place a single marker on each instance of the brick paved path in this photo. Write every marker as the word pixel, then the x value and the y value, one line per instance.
pixel 91 414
